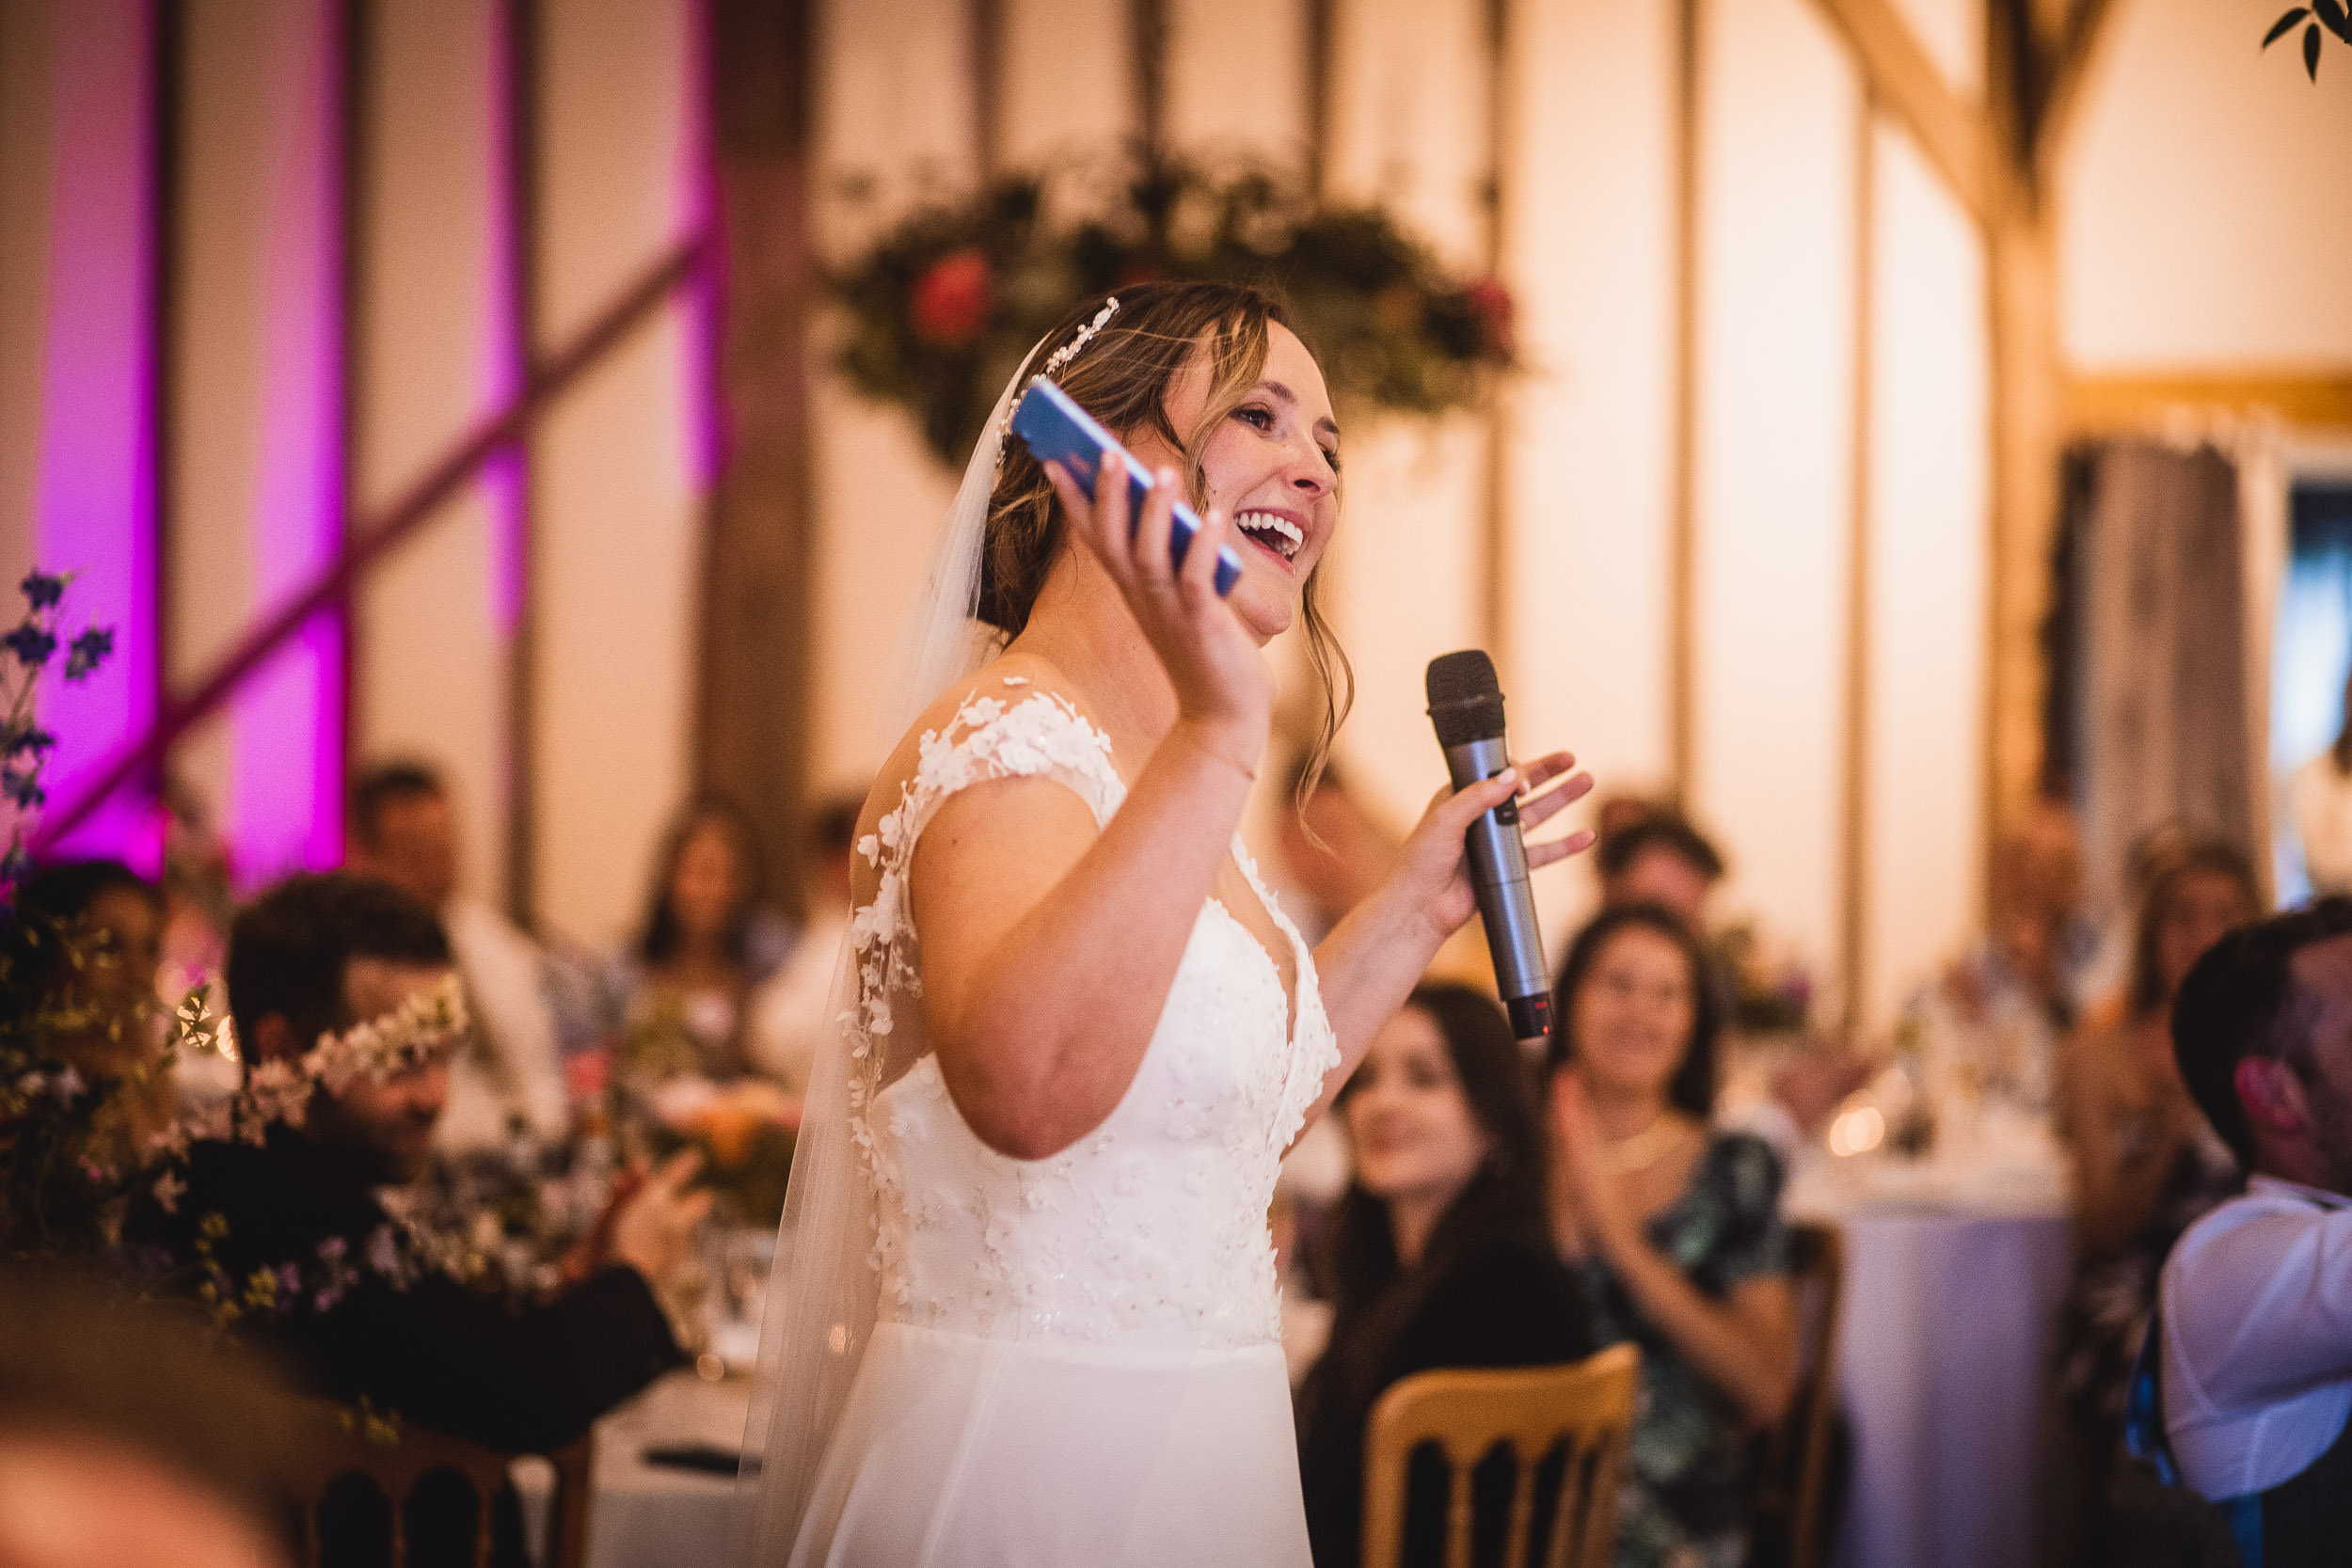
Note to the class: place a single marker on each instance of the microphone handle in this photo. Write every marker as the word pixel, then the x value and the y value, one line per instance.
pixel 1506 898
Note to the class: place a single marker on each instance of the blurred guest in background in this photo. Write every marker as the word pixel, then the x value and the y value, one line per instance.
pixel 1334 851
pixel 1654 857
pixel 1442 1257
pixel 90 933
pixel 2253 1353
pixel 285 1231
pixel 2320 796
pixel 788 1013
pixel 1675 1229
pixel 708 940
pixel 2145 1162
pixel 2039 945
pixel 404 830
pixel 127 1436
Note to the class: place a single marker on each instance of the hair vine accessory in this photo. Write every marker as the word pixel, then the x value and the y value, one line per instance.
pixel 1055 364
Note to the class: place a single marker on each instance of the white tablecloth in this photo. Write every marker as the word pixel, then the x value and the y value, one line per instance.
pixel 642 1515
pixel 1943 1342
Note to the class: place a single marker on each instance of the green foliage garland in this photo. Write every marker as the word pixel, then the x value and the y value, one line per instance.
pixel 945 304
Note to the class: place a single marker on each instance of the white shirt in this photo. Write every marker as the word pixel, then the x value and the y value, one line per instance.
pixel 788 1017
pixel 501 971
pixel 2321 798
pixel 2257 1302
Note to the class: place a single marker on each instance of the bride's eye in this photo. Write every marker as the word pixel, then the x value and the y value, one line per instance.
pixel 1256 415
pixel 1331 456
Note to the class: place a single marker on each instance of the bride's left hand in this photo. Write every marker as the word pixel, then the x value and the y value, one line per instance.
pixel 1432 874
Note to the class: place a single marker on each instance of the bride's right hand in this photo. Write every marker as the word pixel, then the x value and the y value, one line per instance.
pixel 1224 689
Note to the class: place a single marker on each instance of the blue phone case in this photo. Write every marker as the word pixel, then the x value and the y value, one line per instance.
pixel 1059 431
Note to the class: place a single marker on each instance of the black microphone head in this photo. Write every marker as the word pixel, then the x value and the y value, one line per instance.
pixel 1465 699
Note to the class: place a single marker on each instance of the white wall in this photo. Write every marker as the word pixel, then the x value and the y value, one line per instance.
pixel 618 548
pixel 2206 213
pixel 429 656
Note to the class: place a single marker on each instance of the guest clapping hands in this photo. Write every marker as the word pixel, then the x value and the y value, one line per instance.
pixel 1676 1230
pixel 1440 1257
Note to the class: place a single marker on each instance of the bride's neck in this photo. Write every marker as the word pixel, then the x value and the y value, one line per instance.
pixel 1082 628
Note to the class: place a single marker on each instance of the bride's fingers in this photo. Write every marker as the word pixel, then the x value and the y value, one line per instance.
pixel 1114 525
pixel 1199 574
pixel 1539 855
pixel 1534 775
pixel 1544 807
pixel 1077 502
pixel 1154 531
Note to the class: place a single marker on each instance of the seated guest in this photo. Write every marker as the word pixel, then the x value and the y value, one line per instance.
pixel 1654 857
pixel 2145 1164
pixel 2252 1345
pixel 788 1013
pixel 708 940
pixel 282 1229
pixel 90 935
pixel 1675 1230
pixel 1440 1252
pixel 404 830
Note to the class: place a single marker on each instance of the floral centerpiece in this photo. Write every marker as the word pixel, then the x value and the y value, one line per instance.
pixel 945 304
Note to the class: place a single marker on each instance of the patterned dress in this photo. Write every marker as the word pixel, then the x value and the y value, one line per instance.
pixel 1685 1495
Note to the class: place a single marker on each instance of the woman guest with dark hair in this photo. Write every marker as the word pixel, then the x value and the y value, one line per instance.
pixel 709 938
pixel 2146 1166
pixel 1440 1251
pixel 1673 1229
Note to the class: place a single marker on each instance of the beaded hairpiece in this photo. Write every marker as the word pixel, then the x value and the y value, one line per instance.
pixel 1055 364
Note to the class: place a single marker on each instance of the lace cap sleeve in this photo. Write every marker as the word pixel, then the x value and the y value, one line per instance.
pixel 1039 734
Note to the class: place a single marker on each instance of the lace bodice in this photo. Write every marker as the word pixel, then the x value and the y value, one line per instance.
pixel 1151 1230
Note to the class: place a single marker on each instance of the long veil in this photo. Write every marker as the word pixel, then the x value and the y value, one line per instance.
pixel 821 1293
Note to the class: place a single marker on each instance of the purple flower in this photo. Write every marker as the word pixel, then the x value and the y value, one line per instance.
pixel 289 1279
pixel 333 1249
pixel 88 651
pixel 40 589
pixel 31 642
pixel 22 785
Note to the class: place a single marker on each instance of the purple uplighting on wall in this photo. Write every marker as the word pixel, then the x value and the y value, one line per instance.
pixel 506 351
pixel 96 503
pixel 289 719
pixel 706 292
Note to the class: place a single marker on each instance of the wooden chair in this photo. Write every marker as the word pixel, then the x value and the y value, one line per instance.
pixel 335 1448
pixel 1586 1405
pixel 1793 1464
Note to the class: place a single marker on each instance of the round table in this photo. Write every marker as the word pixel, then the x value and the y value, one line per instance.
pixel 643 1515
pixel 1951 1293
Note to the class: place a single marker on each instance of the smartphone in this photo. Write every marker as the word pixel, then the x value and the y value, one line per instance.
pixel 1059 431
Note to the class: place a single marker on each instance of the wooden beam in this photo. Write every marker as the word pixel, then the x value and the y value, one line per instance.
pixel 1855 847
pixel 2063 82
pixel 1682 484
pixel 2104 405
pixel 1896 73
pixel 753 708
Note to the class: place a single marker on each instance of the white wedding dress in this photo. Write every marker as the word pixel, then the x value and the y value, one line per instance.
pixel 1075 1360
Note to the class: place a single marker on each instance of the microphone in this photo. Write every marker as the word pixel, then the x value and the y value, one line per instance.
pixel 1465 707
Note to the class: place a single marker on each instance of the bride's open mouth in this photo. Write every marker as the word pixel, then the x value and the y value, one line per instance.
pixel 1272 532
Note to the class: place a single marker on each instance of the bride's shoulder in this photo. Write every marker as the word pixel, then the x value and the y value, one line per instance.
pixel 1015 696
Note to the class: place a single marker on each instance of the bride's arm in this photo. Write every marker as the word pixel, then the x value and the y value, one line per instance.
pixel 1048 948
pixel 1372 958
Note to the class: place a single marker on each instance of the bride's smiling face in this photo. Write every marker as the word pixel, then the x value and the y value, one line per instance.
pixel 1272 464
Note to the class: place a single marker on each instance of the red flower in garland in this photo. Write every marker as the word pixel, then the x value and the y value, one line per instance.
pixel 951 299
pixel 1497 328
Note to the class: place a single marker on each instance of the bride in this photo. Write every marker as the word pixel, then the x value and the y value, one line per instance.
pixel 1025 1308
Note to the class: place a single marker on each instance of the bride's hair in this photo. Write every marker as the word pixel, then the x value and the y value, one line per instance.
pixel 1122 377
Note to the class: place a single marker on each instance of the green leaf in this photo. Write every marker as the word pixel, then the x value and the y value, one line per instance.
pixel 2311 51
pixel 2284 25
pixel 2331 16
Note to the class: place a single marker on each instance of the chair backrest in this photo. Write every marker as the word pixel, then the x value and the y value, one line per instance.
pixel 1585 1406
pixel 1792 1505
pixel 338 1445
